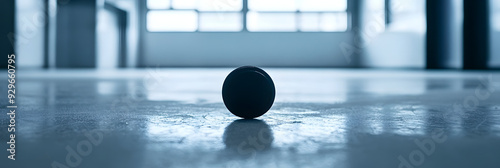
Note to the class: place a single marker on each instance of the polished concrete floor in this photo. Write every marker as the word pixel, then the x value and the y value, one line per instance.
pixel 321 118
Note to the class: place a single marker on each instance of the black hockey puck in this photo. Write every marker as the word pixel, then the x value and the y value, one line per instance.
pixel 248 92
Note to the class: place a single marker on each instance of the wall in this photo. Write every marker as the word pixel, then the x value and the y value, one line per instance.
pixel 396 50
pixel 108 38
pixel 495 34
pixel 30 29
pixel 458 36
pixel 495 50
pixel 245 48
pixel 76 34
pixel 132 9
pixel 401 44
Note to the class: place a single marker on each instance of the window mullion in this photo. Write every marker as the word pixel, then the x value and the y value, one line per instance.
pixel 244 12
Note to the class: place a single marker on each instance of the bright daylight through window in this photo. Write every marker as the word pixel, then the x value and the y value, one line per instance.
pixel 261 15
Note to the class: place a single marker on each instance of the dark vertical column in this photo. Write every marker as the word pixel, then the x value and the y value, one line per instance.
pixel 123 17
pixel 388 12
pixel 142 10
pixel 46 40
pixel 476 34
pixel 76 34
pixel 354 8
pixel 438 40
pixel 7 29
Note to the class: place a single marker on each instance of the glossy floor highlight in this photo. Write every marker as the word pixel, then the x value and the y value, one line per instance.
pixel 321 118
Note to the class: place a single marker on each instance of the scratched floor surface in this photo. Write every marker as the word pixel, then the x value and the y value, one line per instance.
pixel 321 118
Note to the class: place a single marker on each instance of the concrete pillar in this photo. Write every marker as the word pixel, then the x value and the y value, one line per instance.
pixel 476 34
pixel 439 34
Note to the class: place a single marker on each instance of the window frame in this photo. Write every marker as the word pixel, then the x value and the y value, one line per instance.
pixel 244 12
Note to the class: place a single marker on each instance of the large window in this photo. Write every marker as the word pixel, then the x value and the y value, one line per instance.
pixel 260 15
pixel 194 15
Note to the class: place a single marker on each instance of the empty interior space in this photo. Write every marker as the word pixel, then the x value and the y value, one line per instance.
pixel 359 83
